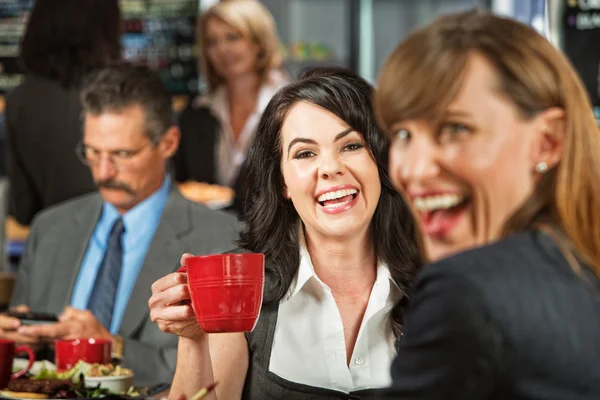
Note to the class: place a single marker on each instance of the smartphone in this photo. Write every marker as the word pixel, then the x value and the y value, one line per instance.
pixel 34 318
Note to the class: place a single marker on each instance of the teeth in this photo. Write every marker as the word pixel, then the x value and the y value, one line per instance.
pixel 442 202
pixel 337 194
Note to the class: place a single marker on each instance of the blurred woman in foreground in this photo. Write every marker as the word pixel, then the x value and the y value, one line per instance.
pixel 496 148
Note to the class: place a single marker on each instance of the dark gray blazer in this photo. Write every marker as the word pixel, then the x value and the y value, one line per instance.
pixel 511 320
pixel 58 241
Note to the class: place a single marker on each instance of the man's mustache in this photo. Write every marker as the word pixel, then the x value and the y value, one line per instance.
pixel 115 185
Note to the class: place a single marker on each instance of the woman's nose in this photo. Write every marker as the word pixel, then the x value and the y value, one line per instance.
pixel 331 166
pixel 417 163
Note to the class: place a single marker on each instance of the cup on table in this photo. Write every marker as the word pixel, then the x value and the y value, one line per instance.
pixel 226 290
pixel 8 350
pixel 68 352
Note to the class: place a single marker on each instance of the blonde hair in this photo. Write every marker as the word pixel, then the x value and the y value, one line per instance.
pixel 254 22
pixel 426 71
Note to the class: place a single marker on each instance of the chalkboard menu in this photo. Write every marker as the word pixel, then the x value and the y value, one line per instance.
pixel 581 43
pixel 161 35
pixel 13 19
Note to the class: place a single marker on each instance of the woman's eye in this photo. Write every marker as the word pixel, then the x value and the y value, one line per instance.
pixel 454 128
pixel 232 37
pixel 354 146
pixel 403 135
pixel 402 138
pixel 303 154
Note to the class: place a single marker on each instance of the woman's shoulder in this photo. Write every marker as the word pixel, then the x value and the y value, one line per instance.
pixel 519 257
pixel 277 78
pixel 34 85
pixel 491 279
pixel 39 96
pixel 197 112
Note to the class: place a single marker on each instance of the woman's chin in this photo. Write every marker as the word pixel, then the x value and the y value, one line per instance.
pixel 437 250
pixel 343 228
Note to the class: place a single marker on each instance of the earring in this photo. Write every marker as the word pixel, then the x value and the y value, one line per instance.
pixel 541 167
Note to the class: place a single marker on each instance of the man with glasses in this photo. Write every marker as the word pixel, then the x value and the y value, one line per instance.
pixel 92 260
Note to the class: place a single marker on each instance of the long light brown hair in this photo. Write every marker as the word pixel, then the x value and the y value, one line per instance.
pixel 254 22
pixel 425 72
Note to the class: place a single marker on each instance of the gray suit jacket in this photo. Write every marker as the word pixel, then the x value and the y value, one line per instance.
pixel 58 241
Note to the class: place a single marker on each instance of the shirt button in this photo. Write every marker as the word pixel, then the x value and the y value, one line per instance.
pixel 359 361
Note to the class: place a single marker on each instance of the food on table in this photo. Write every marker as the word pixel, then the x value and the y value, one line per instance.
pixel 66 385
pixel 55 388
pixel 108 370
pixel 23 395
pixel 202 192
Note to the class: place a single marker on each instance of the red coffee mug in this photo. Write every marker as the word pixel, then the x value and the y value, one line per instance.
pixel 226 290
pixel 68 352
pixel 8 350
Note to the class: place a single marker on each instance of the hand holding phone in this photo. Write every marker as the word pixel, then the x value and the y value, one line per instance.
pixel 33 318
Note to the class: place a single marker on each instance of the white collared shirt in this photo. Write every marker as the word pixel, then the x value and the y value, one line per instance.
pixel 231 154
pixel 309 345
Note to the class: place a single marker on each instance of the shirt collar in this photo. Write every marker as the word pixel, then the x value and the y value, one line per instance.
pixel 306 270
pixel 135 220
pixel 217 101
pixel 384 283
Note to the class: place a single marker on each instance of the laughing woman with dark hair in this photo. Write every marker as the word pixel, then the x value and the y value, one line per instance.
pixel 340 254
pixel 64 40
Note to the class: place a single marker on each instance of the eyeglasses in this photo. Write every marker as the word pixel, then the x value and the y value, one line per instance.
pixel 120 159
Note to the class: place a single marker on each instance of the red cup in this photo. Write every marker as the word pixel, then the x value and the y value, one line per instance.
pixel 68 352
pixel 226 290
pixel 8 350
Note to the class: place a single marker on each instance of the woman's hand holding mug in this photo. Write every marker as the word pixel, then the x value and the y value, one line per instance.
pixel 170 306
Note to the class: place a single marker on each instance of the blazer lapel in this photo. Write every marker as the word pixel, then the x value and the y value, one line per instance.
pixel 163 255
pixel 72 248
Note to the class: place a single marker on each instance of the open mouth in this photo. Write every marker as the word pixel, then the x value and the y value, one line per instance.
pixel 338 198
pixel 439 213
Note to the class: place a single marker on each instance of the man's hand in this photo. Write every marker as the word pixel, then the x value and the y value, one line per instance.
pixel 73 323
pixel 9 328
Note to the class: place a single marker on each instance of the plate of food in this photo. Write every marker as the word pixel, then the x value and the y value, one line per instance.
pixel 83 381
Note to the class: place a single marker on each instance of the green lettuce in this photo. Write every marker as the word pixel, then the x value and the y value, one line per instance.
pixel 74 373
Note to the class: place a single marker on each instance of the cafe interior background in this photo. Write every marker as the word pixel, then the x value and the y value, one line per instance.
pixel 357 34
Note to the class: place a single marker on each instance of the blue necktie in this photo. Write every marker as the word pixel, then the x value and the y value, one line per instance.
pixel 102 299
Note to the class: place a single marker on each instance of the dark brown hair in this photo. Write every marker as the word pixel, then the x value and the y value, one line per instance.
pixel 65 39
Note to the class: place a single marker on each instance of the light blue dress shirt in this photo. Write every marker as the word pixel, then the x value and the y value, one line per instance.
pixel 140 225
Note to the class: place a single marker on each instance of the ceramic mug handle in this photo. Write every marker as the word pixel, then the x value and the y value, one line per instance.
pixel 183 270
pixel 24 349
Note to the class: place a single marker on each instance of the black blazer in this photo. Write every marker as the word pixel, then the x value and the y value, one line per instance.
pixel 195 157
pixel 510 320
pixel 43 126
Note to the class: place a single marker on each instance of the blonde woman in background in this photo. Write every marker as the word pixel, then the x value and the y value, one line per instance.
pixel 240 63
pixel 496 147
